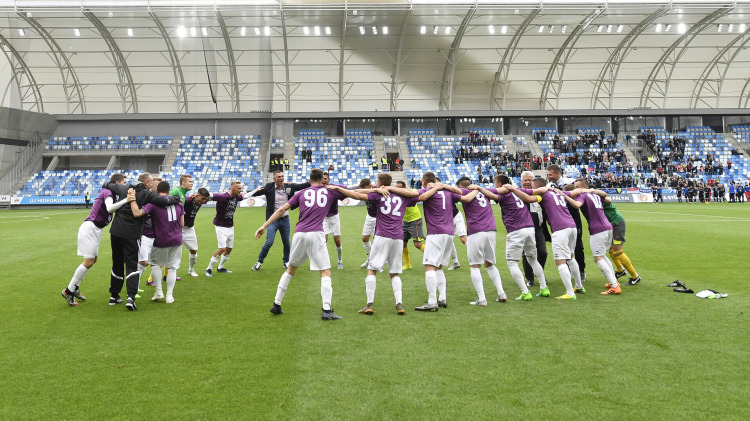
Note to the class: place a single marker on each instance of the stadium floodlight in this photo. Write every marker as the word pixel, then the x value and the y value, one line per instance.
pixel 306 30
pixel 599 28
pixel 743 27
pixel 620 28
pixel 668 28
pixel 193 31
pixel 720 27
pixel 682 28
pixel 658 27
pixel 385 30
pixel 77 32
pixel 374 30
pixel 130 32
pixel 551 29
pixel 181 31
pixel 423 30
pixel 609 28
pixel 435 30
pixel 317 30
pixel 328 30
pixel 21 32
pixel 564 29
pixel 541 29
pixel 257 31
pixel 504 29
pixel 491 29
pixel 243 31
pixel 361 30
pixel 267 31
pixel 731 27
pixel 204 31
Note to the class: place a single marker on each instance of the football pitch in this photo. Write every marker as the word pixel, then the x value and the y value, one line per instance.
pixel 217 353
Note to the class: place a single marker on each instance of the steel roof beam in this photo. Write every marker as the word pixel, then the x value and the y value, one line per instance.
pixel 341 63
pixel 179 79
pixel 659 78
pixel 126 86
pixel 501 83
pixel 31 88
pixel 446 88
pixel 395 91
pixel 71 85
pixel 235 92
pixel 718 67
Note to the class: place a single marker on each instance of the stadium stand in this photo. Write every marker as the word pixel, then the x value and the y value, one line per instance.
pixel 108 143
pixel 349 156
pixel 741 133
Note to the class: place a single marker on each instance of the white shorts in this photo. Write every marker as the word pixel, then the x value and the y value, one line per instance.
pixel 189 239
pixel 225 237
pixel 145 250
pixel 437 250
pixel 89 237
pixel 386 251
pixel 166 256
pixel 564 243
pixel 519 242
pixel 369 228
pixel 600 243
pixel 332 225
pixel 459 225
pixel 309 245
pixel 480 247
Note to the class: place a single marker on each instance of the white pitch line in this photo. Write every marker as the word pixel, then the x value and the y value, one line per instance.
pixel 33 216
pixel 40 218
pixel 692 214
pixel 660 221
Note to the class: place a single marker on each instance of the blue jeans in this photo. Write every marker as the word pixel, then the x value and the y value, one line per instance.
pixel 281 225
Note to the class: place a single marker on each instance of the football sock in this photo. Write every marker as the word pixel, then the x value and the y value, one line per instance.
pixel 193 260
pixel 454 254
pixel 538 271
pixel 576 272
pixel 171 280
pixel 476 279
pixel 396 284
pixel 421 248
pixel 338 253
pixel 156 273
pixel 517 276
pixel 224 258
pixel 606 269
pixel 430 279
pixel 326 291
pixel 441 284
pixel 616 260
pixel 627 264
pixel 368 246
pixel 77 277
pixel 565 276
pixel 214 260
pixel 281 289
pixel 495 278
pixel 370 288
pixel 405 255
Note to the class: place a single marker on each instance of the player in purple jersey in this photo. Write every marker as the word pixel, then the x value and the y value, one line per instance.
pixel 226 204
pixel 521 232
pixel 387 247
pixel 600 232
pixel 332 224
pixel 563 237
pixel 480 245
pixel 459 226
pixel 167 251
pixel 438 214
pixel 193 204
pixel 308 242
pixel 368 230
pixel 89 237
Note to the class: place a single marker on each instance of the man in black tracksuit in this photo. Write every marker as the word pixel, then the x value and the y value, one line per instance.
pixel 125 235
pixel 277 193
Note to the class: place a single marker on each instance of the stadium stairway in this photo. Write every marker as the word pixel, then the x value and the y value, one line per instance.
pixel 404 153
pixel 169 161
pixel 398 176
pixel 379 147
pixel 729 137
pixel 628 153
pixel 289 154
pixel 536 150
pixel 265 145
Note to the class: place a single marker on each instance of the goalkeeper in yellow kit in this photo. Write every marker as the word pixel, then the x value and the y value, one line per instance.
pixel 412 227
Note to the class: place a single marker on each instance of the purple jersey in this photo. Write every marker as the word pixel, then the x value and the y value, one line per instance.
pixel 556 207
pixel 313 203
pixel 390 213
pixel 438 212
pixel 516 215
pixel 167 224
pixel 148 226
pixel 191 211
pixel 334 210
pixel 225 207
pixel 594 212
pixel 99 215
pixel 479 216
pixel 372 207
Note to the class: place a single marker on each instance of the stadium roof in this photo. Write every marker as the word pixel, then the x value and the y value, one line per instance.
pixel 144 56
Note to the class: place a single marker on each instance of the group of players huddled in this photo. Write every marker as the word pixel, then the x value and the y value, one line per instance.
pixel 152 222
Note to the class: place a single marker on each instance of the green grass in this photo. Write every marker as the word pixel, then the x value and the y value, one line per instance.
pixel 216 353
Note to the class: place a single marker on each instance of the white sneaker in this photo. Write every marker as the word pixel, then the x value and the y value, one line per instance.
pixel 501 298
pixel 341 265
pixel 256 266
pixel 193 273
pixel 480 303
pixel 158 297
pixel 455 266
pixel 365 264
pixel 170 299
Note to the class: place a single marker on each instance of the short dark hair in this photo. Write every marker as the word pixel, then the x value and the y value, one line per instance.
pixel 316 174
pixel 365 182
pixel 117 177
pixel 555 168
pixel 276 172
pixel 144 176
pixel 428 177
pixel 385 178
pixel 569 187
pixel 463 182
pixel 203 191
pixel 400 183
pixel 163 187
pixel 582 181
pixel 502 178
pixel 539 181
